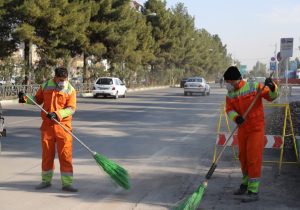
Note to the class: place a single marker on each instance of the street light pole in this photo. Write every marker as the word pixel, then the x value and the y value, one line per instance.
pixel 276 65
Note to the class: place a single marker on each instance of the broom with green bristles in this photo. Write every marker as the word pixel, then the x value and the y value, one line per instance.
pixel 116 172
pixel 193 201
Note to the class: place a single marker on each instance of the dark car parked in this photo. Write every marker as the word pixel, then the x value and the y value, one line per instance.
pixel 182 82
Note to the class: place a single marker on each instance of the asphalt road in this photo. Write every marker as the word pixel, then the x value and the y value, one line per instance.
pixel 164 139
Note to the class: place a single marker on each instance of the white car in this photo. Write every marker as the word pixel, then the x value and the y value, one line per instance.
pixel 11 81
pixel 109 86
pixel 196 85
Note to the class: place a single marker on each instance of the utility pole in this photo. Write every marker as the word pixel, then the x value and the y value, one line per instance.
pixel 277 64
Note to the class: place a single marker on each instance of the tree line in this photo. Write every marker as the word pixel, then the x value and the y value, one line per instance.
pixel 154 43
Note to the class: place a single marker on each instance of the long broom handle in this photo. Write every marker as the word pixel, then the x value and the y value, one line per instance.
pixel 64 127
pixel 214 165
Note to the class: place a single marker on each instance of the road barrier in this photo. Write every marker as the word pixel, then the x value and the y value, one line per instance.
pixel 271 141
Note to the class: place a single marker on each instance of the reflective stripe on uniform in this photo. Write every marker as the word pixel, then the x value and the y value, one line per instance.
pixel 246 89
pixel 47 176
pixel 51 85
pixel 66 112
pixel 232 115
pixel 28 101
pixel 66 179
pixel 253 185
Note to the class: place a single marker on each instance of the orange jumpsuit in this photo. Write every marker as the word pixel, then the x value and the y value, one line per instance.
pixel 251 132
pixel 63 103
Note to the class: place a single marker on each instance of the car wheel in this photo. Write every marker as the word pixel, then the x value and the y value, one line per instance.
pixel 124 96
pixel 116 96
pixel 185 93
pixel 94 96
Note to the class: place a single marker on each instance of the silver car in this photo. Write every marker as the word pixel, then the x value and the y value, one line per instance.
pixel 196 85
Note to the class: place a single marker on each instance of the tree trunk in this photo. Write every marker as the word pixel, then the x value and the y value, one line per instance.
pixel 86 72
pixel 28 59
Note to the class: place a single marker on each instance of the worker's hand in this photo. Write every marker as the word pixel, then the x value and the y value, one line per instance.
pixel 239 120
pixel 269 82
pixel 52 116
pixel 21 96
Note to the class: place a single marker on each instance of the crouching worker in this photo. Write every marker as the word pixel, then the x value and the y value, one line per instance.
pixel 251 129
pixel 58 98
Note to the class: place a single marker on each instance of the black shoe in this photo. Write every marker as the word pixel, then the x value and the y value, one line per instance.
pixel 250 197
pixel 69 188
pixel 43 185
pixel 242 190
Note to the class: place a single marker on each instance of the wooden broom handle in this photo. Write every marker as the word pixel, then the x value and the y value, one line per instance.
pixel 256 98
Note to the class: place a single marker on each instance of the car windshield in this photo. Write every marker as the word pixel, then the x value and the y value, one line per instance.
pixel 105 81
pixel 195 80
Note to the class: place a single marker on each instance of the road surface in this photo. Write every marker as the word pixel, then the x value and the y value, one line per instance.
pixel 164 139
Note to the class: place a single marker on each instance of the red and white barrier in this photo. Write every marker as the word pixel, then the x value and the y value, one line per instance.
pixel 271 141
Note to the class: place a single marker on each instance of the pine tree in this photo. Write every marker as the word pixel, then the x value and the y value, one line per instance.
pixel 57 28
pixel 7 22
pixel 184 34
pixel 162 35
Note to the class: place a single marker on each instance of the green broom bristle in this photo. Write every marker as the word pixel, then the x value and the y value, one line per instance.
pixel 193 201
pixel 116 172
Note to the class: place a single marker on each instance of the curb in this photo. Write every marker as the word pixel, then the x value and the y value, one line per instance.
pixel 9 102
pixel 83 95
pixel 146 88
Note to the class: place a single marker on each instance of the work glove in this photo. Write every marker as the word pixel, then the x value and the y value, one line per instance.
pixel 52 116
pixel 21 96
pixel 269 82
pixel 239 120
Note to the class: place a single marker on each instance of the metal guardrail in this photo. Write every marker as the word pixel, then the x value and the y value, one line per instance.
pixel 8 92
pixel 83 87
pixel 11 91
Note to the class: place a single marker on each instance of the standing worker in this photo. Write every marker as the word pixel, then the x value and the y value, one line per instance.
pixel 251 129
pixel 221 82
pixel 59 99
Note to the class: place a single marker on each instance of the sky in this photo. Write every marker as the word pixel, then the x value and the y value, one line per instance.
pixel 250 29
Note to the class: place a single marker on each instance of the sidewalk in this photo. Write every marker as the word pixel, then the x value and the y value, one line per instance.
pixel 277 192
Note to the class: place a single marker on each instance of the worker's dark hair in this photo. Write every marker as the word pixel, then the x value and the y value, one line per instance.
pixel 232 73
pixel 61 72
